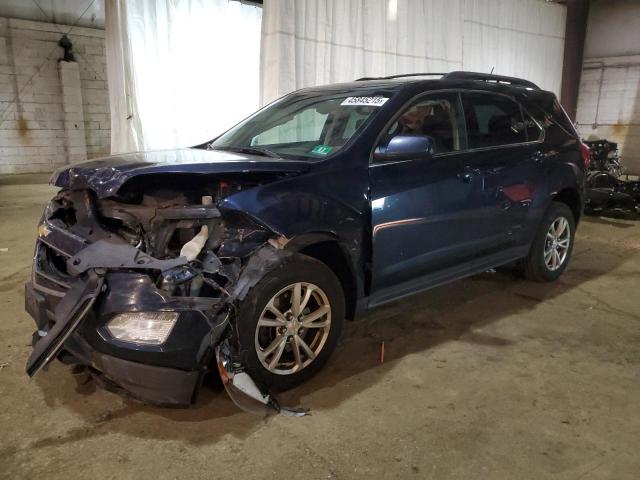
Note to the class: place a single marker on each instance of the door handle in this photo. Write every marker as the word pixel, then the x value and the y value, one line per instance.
pixel 538 157
pixel 467 174
pixel 466 177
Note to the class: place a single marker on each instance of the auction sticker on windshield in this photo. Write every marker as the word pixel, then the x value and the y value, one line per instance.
pixel 322 149
pixel 364 101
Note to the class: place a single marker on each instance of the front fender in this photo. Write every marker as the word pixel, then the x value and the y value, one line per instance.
pixel 322 206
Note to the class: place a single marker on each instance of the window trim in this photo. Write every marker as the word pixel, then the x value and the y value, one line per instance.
pixel 535 122
pixel 459 92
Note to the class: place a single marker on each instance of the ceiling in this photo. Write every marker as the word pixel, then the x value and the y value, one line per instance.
pixel 84 13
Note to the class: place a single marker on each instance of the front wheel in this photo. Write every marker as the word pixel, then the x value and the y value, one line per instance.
pixel 290 322
pixel 552 246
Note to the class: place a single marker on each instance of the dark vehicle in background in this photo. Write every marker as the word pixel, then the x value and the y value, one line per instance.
pixel 247 253
pixel 605 187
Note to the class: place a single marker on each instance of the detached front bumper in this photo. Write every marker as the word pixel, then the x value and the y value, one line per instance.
pixel 71 313
pixel 166 375
pixel 153 384
pixel 78 287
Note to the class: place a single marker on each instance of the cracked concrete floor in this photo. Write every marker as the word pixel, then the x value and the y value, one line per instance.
pixel 490 377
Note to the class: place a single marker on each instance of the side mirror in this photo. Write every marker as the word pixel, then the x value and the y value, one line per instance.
pixel 406 147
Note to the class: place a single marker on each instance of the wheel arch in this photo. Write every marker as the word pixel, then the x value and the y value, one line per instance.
pixel 327 249
pixel 571 198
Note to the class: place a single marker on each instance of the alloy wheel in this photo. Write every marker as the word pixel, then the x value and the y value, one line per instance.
pixel 293 328
pixel 557 242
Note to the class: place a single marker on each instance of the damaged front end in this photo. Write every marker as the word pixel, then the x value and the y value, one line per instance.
pixel 141 287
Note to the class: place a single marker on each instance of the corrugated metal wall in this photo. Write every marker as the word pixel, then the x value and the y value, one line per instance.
pixel 609 97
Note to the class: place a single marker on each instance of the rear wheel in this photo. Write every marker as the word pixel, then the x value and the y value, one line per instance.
pixel 290 322
pixel 552 246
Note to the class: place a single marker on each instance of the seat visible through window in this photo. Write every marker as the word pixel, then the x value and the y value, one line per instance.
pixel 436 117
pixel 492 120
pixel 439 125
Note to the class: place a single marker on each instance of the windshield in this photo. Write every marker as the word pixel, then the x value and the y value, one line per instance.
pixel 302 127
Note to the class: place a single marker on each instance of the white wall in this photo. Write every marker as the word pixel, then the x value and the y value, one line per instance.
pixel 311 42
pixel 609 96
pixel 34 120
pixel 521 38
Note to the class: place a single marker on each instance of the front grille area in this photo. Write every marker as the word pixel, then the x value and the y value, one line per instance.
pixel 49 270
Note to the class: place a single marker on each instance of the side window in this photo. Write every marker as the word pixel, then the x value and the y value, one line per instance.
pixel 436 116
pixel 492 120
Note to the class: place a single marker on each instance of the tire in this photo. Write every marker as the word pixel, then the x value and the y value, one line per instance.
pixel 279 284
pixel 544 268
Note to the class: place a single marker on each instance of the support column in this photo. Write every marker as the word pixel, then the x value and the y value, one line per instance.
pixel 575 32
pixel 75 142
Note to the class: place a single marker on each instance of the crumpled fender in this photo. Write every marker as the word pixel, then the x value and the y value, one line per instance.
pixel 239 385
pixel 312 208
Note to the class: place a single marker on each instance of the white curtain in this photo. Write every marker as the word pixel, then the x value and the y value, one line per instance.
pixel 313 42
pixel 520 38
pixel 180 72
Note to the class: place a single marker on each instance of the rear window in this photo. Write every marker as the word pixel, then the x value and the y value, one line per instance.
pixel 492 120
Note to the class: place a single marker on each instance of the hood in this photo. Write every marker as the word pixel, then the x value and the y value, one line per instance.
pixel 106 175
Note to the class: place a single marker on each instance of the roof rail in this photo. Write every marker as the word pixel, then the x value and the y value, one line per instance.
pixel 400 76
pixel 460 75
pixel 486 77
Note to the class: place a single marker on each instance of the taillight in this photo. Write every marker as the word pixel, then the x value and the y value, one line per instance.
pixel 586 155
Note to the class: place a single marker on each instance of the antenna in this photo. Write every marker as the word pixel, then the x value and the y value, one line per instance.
pixel 492 68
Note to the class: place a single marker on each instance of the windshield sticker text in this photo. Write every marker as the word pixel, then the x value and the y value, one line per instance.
pixel 365 101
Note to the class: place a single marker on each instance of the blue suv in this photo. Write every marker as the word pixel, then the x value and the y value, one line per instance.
pixel 248 252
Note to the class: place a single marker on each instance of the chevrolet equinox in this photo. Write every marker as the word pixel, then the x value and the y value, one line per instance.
pixel 247 253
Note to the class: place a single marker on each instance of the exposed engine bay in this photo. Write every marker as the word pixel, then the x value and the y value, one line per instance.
pixel 163 242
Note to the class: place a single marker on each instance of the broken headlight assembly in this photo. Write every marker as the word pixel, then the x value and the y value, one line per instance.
pixel 142 328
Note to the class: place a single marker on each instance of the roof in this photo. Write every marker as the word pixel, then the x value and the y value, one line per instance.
pixel 460 75
pixel 475 80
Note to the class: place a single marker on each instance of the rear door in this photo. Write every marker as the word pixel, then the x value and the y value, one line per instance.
pixel 502 165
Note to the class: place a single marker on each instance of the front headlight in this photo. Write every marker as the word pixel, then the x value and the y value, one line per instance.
pixel 147 328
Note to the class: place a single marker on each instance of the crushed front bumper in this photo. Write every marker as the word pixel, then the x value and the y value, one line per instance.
pixel 153 384
pixel 71 313
pixel 72 296
pixel 167 375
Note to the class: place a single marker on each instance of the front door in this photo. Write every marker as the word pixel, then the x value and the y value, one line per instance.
pixel 422 210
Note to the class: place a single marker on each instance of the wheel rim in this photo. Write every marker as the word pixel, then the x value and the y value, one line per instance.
pixel 293 328
pixel 557 242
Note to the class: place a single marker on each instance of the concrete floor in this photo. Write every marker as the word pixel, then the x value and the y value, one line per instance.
pixel 491 377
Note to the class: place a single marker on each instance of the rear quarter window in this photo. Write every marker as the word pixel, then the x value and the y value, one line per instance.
pixel 534 132
pixel 563 120
pixel 546 109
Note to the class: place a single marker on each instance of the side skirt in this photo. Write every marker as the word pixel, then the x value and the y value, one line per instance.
pixel 449 275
